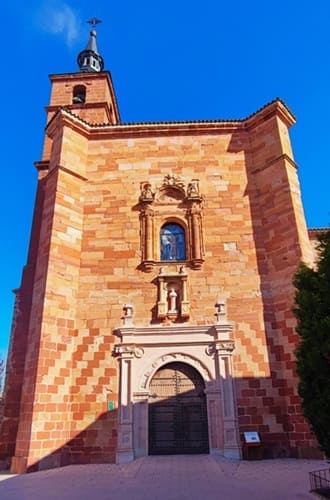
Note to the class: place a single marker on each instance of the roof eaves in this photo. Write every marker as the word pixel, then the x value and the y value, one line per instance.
pixel 193 122
pixel 230 121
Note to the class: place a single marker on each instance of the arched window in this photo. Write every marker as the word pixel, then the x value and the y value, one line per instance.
pixel 172 242
pixel 79 94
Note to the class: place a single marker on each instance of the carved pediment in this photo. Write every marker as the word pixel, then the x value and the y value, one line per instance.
pixel 170 194
pixel 172 190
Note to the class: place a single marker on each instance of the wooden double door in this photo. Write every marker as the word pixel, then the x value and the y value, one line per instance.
pixel 177 411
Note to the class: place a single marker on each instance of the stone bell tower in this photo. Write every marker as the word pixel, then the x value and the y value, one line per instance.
pixel 88 94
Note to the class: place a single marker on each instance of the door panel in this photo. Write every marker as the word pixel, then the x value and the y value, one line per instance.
pixel 177 411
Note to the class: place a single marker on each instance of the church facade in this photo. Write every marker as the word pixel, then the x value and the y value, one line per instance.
pixel 155 309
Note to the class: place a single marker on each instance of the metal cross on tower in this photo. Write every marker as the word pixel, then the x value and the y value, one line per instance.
pixel 93 22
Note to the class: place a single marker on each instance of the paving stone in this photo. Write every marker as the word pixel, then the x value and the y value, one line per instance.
pixel 179 477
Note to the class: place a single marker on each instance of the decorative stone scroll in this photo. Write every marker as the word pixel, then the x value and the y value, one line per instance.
pixel 218 348
pixel 128 351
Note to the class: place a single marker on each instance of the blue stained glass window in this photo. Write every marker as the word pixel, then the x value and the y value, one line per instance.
pixel 172 242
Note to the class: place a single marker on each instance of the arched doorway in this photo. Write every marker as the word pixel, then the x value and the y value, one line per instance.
pixel 177 411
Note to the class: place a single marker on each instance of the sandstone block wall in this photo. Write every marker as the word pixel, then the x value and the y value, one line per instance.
pixel 87 261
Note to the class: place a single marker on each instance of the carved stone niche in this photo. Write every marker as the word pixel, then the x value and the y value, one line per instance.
pixel 172 303
pixel 174 201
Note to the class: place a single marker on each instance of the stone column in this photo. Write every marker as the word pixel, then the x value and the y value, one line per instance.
pixel 125 434
pixel 232 447
pixel 184 301
pixel 140 424
pixel 196 243
pixel 195 233
pixel 148 235
pixel 215 418
pixel 162 298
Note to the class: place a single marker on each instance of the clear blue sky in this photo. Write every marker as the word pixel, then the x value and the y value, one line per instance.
pixel 173 60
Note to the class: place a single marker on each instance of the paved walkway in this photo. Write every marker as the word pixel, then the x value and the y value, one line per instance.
pixel 180 477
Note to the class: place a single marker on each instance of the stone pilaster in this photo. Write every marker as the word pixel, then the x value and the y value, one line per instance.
pixel 125 450
pixel 222 351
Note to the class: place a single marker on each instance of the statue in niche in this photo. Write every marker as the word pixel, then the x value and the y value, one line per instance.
pixel 172 243
pixel 172 301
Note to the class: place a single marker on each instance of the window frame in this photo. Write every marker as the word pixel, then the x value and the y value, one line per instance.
pixel 182 232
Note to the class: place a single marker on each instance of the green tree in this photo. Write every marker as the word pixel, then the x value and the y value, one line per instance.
pixel 2 374
pixel 312 310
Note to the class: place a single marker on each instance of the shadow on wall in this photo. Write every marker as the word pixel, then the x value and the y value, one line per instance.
pixel 95 444
pixel 275 235
pixel 178 425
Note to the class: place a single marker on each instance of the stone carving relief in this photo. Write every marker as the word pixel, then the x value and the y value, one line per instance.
pixel 193 189
pixel 146 194
pixel 217 348
pixel 128 351
pixel 172 180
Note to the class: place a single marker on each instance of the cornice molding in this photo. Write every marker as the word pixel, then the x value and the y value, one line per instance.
pixel 214 331
pixel 124 130
pixel 67 171
pixel 283 157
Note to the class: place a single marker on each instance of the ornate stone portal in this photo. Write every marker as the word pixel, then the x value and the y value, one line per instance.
pixel 174 201
pixel 208 349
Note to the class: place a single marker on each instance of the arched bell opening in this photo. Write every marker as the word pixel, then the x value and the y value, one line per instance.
pixel 79 94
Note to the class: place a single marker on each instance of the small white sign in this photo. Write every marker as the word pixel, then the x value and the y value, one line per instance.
pixel 251 437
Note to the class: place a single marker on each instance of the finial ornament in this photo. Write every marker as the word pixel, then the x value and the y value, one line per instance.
pixel 94 21
pixel 89 60
pixel 128 315
pixel 220 310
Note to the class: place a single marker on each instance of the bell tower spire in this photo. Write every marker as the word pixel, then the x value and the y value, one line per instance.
pixel 88 93
pixel 89 60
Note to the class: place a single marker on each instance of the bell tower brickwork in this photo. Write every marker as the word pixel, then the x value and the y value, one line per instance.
pixel 98 104
pixel 85 263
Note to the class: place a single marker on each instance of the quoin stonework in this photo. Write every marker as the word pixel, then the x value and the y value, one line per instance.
pixel 155 309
